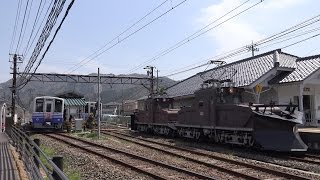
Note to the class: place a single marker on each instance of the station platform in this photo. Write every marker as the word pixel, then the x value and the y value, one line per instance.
pixel 8 168
pixel 311 137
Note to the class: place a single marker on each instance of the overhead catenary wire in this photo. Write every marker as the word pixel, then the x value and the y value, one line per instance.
pixel 196 35
pixel 43 37
pixel 55 34
pixel 50 43
pixel 285 35
pixel 126 37
pixel 15 26
pixel 292 37
pixel 26 25
pixel 24 16
pixel 33 27
pixel 297 42
pixel 34 37
pixel 123 32
pixel 239 53
pixel 52 18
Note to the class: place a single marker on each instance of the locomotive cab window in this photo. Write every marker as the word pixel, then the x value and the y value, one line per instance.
pixel 39 105
pixel 58 105
pixel 201 104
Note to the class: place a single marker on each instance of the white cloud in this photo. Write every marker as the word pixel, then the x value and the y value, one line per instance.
pixel 279 4
pixel 250 26
pixel 232 34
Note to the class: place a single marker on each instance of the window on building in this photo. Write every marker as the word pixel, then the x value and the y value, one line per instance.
pixel 86 108
pixel 296 101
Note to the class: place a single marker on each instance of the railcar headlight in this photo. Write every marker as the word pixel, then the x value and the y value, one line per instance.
pixel 231 90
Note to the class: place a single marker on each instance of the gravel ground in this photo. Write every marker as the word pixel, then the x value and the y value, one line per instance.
pixel 93 167
pixel 241 154
pixel 89 166
pixel 162 157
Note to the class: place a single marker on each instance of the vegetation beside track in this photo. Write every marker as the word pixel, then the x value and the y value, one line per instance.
pixel 70 173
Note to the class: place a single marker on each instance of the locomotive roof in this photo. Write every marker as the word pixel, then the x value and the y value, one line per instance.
pixel 247 71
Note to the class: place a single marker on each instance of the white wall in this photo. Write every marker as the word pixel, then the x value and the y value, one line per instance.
pixel 288 91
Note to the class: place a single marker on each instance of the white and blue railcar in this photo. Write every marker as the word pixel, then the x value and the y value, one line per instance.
pixel 48 113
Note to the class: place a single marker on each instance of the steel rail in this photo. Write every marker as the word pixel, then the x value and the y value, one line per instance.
pixel 226 170
pixel 271 171
pixel 181 170
pixel 312 156
pixel 305 160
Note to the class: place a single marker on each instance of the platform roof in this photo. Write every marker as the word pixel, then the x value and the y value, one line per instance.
pixel 74 102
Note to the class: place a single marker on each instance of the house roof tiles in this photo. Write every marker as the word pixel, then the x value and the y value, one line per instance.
pixel 249 70
pixel 305 67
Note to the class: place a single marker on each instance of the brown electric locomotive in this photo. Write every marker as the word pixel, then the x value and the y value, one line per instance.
pixel 217 113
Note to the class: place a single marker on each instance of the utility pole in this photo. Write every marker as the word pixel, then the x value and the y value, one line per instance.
pixel 158 81
pixel 99 108
pixel 14 86
pixel 150 70
pixel 252 48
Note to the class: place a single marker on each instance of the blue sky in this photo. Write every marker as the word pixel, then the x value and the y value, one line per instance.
pixel 91 24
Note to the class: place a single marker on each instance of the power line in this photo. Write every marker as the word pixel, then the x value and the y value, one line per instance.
pixel 52 18
pixel 118 36
pixel 292 37
pixel 25 27
pixel 33 27
pixel 192 37
pixel 282 35
pixel 24 16
pixel 54 36
pixel 15 25
pixel 51 4
pixel 301 41
pixel 126 37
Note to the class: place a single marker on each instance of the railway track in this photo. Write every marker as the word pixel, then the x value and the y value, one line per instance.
pixel 149 167
pixel 308 158
pixel 246 169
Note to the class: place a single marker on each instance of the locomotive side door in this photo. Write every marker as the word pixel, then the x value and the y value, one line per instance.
pixel 212 110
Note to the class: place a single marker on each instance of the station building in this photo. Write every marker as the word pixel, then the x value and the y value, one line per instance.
pixel 281 77
pixel 74 104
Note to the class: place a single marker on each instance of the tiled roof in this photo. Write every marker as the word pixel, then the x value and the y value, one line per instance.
pixel 305 67
pixel 243 72
pixel 74 102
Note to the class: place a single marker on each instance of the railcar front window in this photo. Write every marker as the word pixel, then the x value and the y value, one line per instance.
pixel 58 106
pixel 39 105
pixel 48 109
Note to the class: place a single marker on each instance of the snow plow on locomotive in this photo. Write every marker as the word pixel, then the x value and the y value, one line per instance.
pixel 218 114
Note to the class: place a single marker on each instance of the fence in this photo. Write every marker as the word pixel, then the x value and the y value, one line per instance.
pixel 31 152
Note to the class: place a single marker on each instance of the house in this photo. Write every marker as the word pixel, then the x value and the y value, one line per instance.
pixel 281 78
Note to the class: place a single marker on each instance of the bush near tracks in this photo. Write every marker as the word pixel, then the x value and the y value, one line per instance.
pixel 71 174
